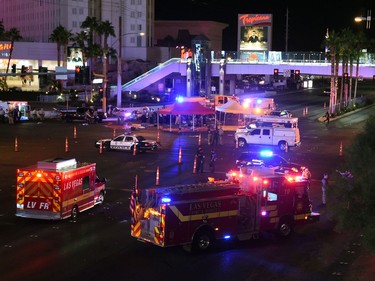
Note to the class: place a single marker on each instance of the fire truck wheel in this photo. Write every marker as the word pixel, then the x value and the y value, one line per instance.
pixel 101 198
pixel 74 212
pixel 285 228
pixel 203 241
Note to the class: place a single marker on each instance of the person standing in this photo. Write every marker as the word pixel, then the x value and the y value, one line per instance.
pixel 200 160
pixel 215 140
pixel 213 160
pixel 327 117
pixel 306 174
pixel 221 134
pixel 324 188
pixel 2 115
pixel 209 136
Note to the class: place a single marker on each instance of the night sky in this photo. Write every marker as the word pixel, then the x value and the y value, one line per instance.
pixel 308 20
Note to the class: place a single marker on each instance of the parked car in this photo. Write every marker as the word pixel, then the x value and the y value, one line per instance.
pixel 268 159
pixel 281 113
pixel 126 142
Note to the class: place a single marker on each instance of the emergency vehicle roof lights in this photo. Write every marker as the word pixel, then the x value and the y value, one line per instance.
pixel 266 153
pixel 180 99
pixel 227 237
pixel 166 200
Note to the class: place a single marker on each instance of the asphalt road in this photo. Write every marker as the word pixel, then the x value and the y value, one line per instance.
pixel 98 246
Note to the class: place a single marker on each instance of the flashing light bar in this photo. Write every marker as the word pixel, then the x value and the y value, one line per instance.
pixel 266 153
pixel 166 200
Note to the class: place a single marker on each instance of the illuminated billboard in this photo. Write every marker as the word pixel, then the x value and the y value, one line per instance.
pixel 254 33
pixel 74 58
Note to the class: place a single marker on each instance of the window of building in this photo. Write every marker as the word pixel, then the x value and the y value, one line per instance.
pixel 139 14
pixel 132 14
pixel 132 39
pixel 139 2
pixel 132 2
pixel 140 27
pixel 132 27
pixel 81 11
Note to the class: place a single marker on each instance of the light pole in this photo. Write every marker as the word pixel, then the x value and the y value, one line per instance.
pixel 119 62
pixel 367 19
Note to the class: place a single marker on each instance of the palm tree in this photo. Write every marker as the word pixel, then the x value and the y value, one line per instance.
pixel 90 26
pixel 61 36
pixel 13 35
pixel 79 40
pixel 105 29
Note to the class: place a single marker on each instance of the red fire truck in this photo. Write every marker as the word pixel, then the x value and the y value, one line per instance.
pixel 198 215
pixel 57 189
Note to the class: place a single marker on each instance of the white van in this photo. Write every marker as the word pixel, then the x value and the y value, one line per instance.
pixel 282 137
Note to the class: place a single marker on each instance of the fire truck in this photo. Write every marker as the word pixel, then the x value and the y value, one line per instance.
pixel 196 216
pixel 58 188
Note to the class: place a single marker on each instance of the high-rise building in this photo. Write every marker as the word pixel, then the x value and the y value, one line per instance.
pixel 36 19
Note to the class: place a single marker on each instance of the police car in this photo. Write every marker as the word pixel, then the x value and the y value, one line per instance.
pixel 267 159
pixel 127 142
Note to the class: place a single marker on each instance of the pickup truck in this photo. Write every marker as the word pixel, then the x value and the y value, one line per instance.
pixel 277 136
pixel 82 114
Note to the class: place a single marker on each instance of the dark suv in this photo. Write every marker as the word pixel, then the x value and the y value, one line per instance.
pixel 268 159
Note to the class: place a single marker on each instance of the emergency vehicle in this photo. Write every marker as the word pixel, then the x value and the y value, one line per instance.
pixel 23 107
pixel 195 216
pixel 58 188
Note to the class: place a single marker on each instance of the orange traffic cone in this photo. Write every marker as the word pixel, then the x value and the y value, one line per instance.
pixel 66 145
pixel 340 151
pixel 200 139
pixel 180 156
pixel 158 137
pixel 101 147
pixel 286 147
pixel 157 176
pixel 114 133
pixel 195 165
pixel 134 149
pixel 306 110
pixel 75 132
pixel 236 142
pixel 16 145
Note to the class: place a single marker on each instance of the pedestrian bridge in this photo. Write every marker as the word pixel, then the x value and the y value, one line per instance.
pixel 234 66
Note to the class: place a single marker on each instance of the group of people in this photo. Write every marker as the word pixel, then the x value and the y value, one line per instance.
pixel 11 115
pixel 200 159
pixel 215 136
pixel 37 114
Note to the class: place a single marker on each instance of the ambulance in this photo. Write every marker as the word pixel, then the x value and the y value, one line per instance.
pixel 58 188
pixel 196 216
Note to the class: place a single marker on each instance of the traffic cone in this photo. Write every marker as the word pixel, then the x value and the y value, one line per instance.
pixel 158 137
pixel 340 151
pixel 200 139
pixel 195 165
pixel 66 145
pixel 134 149
pixel 304 112
pixel 75 132
pixel 287 148
pixel 236 142
pixel 307 110
pixel 180 156
pixel 101 147
pixel 114 133
pixel 16 144
pixel 325 105
pixel 157 176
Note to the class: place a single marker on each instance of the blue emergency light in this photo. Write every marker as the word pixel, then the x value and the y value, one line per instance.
pixel 166 200
pixel 180 99
pixel 266 153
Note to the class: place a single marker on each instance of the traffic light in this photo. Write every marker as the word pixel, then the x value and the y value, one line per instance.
pixel 297 74
pixel 85 76
pixel 43 79
pixel 78 75
pixel 276 74
pixel 14 68
pixel 346 78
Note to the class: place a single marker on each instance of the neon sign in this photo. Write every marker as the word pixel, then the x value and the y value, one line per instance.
pixel 247 19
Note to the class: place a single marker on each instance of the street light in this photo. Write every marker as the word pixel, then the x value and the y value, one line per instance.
pixel 119 65
pixel 367 19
